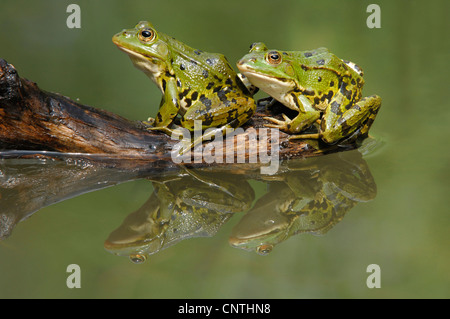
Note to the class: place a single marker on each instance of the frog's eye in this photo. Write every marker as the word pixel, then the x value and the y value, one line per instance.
pixel 258 47
pixel 264 249
pixel 273 57
pixel 137 258
pixel 146 35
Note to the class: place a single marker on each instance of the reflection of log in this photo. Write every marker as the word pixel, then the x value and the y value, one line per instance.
pixel 29 185
pixel 306 195
pixel 31 119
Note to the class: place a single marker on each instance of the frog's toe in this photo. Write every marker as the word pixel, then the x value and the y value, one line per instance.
pixel 281 125
pixel 273 120
pixel 150 121
pixel 272 126
pixel 164 129
pixel 314 136
pixel 286 118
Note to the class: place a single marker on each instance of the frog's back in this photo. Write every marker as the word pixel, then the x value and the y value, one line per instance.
pixel 317 58
pixel 199 63
pixel 322 59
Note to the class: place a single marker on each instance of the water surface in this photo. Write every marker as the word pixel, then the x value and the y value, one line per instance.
pixel 402 226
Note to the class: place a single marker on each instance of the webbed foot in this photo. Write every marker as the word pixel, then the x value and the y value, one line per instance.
pixel 279 124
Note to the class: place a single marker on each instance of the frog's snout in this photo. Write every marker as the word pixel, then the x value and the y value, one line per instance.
pixel 124 34
pixel 244 61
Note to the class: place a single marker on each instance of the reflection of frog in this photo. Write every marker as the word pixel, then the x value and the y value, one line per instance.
pixel 196 85
pixel 310 198
pixel 318 86
pixel 191 205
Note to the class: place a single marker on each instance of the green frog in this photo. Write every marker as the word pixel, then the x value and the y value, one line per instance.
pixel 311 197
pixel 185 205
pixel 323 89
pixel 196 85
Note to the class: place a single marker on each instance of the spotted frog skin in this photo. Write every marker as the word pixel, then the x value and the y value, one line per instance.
pixel 182 206
pixel 196 85
pixel 321 87
pixel 311 197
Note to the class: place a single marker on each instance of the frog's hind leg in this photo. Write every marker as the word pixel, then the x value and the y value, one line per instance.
pixel 375 101
pixel 217 121
pixel 212 132
pixel 337 125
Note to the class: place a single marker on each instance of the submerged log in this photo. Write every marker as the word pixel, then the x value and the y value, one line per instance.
pixel 33 119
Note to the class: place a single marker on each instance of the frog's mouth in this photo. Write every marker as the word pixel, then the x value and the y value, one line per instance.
pixel 150 65
pixel 132 53
pixel 139 57
pixel 275 87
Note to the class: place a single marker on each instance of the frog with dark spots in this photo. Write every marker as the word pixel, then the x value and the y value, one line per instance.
pixel 188 79
pixel 323 89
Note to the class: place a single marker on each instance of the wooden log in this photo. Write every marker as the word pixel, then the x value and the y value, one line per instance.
pixel 33 119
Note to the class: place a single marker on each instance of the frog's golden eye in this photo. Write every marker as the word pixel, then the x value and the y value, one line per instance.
pixel 264 249
pixel 137 258
pixel 273 57
pixel 146 35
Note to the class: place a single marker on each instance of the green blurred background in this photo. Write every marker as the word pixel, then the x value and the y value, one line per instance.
pixel 405 229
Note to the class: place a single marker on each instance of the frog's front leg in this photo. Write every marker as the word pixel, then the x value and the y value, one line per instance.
pixel 169 108
pixel 307 115
pixel 340 121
